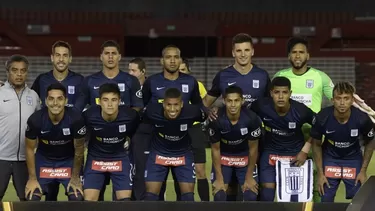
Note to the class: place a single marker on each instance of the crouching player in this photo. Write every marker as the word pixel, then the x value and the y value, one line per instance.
pixel 59 132
pixel 234 136
pixel 171 144
pixel 110 127
pixel 283 119
pixel 340 157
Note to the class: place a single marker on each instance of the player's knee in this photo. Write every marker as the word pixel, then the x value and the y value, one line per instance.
pixel 123 199
pixel 73 197
pixel 220 196
pixel 151 197
pixel 249 195
pixel 267 194
pixel 36 197
pixel 187 196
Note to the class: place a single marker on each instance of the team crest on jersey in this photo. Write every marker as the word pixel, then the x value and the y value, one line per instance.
pixel 294 180
pixel 29 100
pixel 309 83
pixel 71 90
pixel 244 131
pixel 66 131
pixel 292 125
pixel 185 88
pixel 353 132
pixel 121 86
pixel 122 128
pixel 183 127
pixel 256 84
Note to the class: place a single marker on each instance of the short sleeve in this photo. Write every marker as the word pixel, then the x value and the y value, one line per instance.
pixel 32 130
pixel 367 129
pixel 79 128
pixel 255 129
pixel 215 89
pixel 317 130
pixel 214 132
pixel 136 93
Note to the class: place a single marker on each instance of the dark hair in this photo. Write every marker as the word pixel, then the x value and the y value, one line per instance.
pixel 56 86
pixel 109 88
pixel 110 43
pixel 169 46
pixel 280 81
pixel 186 62
pixel 233 90
pixel 16 58
pixel 242 38
pixel 172 93
pixel 140 62
pixel 62 44
pixel 344 87
pixel 294 41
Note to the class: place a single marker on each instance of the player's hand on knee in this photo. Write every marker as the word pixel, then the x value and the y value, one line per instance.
pixel 212 116
pixel 76 185
pixel 217 186
pixel 300 159
pixel 31 186
pixel 322 180
pixel 361 178
pixel 250 184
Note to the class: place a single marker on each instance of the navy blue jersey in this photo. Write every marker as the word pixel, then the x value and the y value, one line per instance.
pixel 234 138
pixel 254 84
pixel 110 139
pixel 341 141
pixel 131 94
pixel 170 137
pixel 155 86
pixel 72 83
pixel 56 142
pixel 283 134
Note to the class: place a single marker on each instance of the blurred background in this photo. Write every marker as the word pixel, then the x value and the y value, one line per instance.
pixel 341 33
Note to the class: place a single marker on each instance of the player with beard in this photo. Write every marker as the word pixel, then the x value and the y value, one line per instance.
pixel 129 86
pixel 61 57
pixel 339 157
pixel 153 92
pixel 308 84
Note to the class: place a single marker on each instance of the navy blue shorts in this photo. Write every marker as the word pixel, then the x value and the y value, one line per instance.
pixel 119 170
pixel 53 171
pixel 157 167
pixel 267 169
pixel 234 166
pixel 341 170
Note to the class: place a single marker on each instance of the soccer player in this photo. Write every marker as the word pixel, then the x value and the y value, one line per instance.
pixel 198 138
pixel 283 119
pixel 234 136
pixel 59 133
pixel 137 68
pixel 308 84
pixel 153 92
pixel 110 127
pixel 171 144
pixel 129 86
pixel 61 57
pixel 253 80
pixel 339 157
pixel 17 103
pixel 131 94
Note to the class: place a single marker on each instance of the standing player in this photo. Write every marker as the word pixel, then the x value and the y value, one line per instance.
pixel 110 127
pixel 61 57
pixel 59 133
pixel 131 94
pixel 251 79
pixel 198 138
pixel 153 92
pixel 171 144
pixel 340 157
pixel 308 84
pixel 283 119
pixel 234 136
